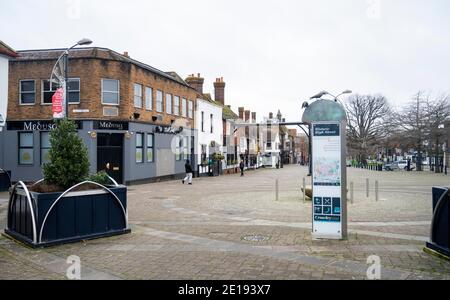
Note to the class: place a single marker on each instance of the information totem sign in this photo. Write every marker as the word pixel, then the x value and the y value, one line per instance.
pixel 329 180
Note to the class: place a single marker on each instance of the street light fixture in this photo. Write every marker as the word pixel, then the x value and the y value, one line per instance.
pixel 62 77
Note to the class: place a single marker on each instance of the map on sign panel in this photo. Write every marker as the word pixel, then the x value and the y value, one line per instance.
pixel 327 171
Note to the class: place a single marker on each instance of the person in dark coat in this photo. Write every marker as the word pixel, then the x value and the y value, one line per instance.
pixel 242 166
pixel 189 173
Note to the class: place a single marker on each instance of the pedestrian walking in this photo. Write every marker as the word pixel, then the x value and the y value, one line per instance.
pixel 242 166
pixel 189 173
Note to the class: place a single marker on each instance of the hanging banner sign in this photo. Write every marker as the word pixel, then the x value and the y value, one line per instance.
pixel 329 183
pixel 57 104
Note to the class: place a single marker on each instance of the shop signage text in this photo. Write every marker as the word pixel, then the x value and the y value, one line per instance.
pixel 36 125
pixel 107 125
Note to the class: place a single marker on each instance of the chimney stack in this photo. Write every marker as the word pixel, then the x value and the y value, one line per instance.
pixel 219 90
pixel 271 116
pixel 126 54
pixel 196 82
pixel 241 113
pixel 247 116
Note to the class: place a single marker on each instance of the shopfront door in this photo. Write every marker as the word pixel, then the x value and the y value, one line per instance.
pixel 110 155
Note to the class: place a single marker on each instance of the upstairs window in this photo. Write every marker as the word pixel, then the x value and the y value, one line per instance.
pixel 74 90
pixel 27 92
pixel 148 98
pixel 137 96
pixel 203 121
pixel 159 101
pixel 176 106
pixel 191 110
pixel 110 92
pixel 212 123
pixel 184 108
pixel 169 104
pixel 48 91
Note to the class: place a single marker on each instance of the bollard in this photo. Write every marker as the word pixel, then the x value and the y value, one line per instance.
pixel 367 188
pixel 352 192
pixel 276 190
pixel 304 190
pixel 376 191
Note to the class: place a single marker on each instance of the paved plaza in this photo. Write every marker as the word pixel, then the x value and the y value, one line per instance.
pixel 230 227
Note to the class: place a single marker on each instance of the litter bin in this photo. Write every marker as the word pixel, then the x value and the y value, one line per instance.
pixel 5 180
pixel 440 233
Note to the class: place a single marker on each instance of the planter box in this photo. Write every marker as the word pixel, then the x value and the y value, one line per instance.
pixel 42 220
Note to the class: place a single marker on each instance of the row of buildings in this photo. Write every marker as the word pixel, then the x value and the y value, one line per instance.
pixel 140 124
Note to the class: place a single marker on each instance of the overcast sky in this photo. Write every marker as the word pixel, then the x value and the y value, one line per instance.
pixel 272 54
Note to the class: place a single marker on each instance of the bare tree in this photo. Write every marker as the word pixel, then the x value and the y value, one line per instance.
pixel 421 122
pixel 414 124
pixel 438 111
pixel 368 119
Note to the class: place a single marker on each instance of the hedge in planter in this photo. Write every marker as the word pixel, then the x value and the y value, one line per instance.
pixel 67 206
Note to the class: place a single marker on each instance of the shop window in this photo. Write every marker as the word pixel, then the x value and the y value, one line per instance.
pixel 139 148
pixel 178 147
pixel 150 148
pixel 26 148
pixel 27 92
pixel 45 147
pixel 186 148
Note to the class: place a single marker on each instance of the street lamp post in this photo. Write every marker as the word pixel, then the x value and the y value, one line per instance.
pixel 63 79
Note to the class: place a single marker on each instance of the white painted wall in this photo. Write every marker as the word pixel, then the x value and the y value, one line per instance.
pixel 4 67
pixel 206 137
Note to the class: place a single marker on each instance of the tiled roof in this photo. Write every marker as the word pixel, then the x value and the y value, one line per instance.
pixel 95 52
pixel 229 114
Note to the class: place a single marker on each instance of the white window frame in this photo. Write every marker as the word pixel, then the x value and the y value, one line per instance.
pixel 184 108
pixel 147 102
pixel 76 91
pixel 42 92
pixel 118 92
pixel 158 92
pixel 139 96
pixel 190 109
pixel 169 112
pixel 20 92
pixel 176 113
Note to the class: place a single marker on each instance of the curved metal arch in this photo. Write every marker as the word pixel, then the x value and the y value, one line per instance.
pixel 37 182
pixel 435 214
pixel 74 187
pixel 12 200
pixel 113 181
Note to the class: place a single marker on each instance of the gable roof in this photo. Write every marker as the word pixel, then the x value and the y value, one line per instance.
pixel 7 50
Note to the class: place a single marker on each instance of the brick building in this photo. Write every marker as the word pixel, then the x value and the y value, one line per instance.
pixel 136 121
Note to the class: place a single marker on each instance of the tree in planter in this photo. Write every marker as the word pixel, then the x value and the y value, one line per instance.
pixel 69 161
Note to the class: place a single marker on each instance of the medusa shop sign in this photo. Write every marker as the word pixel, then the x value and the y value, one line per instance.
pixel 36 125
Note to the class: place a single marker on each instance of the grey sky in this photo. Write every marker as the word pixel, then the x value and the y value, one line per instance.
pixel 272 54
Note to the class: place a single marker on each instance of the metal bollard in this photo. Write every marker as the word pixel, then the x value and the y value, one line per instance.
pixel 377 195
pixel 276 190
pixel 367 188
pixel 352 192
pixel 304 190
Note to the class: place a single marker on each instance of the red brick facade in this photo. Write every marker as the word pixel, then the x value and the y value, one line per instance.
pixel 91 66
